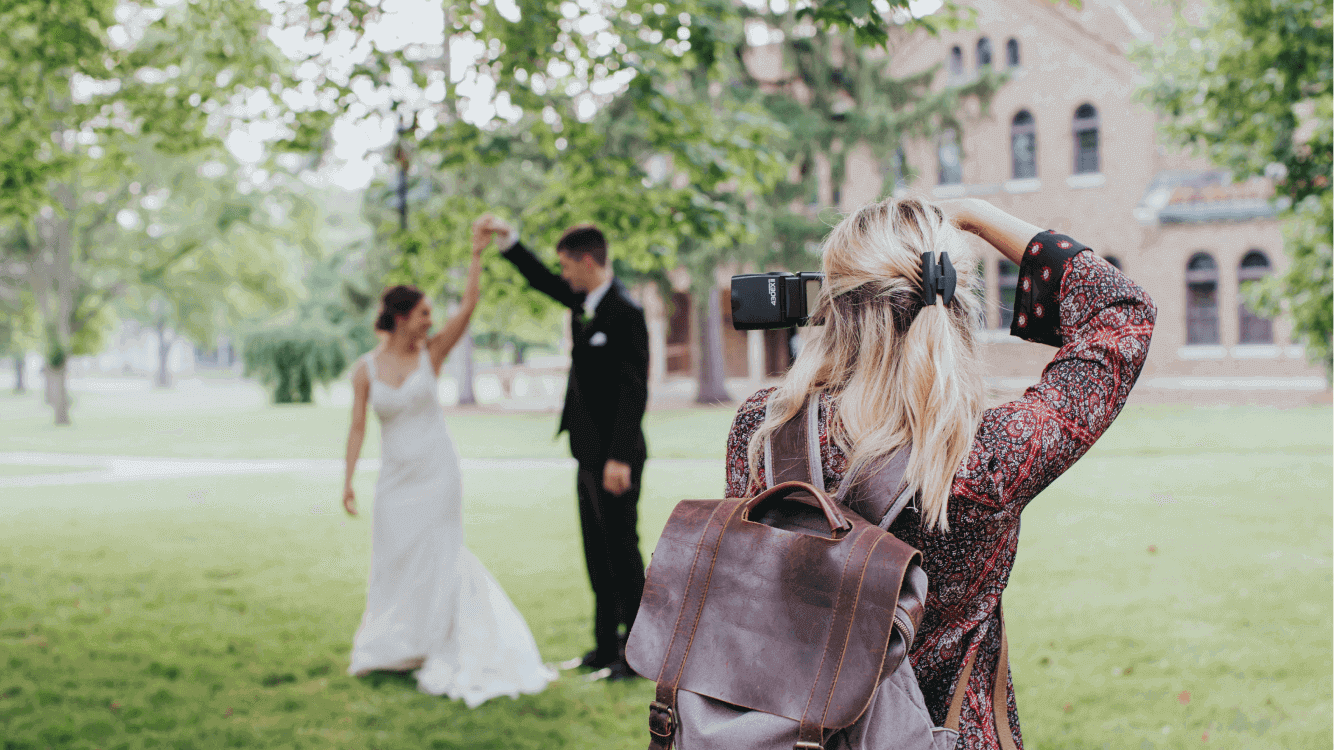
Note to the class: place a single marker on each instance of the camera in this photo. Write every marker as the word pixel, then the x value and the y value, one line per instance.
pixel 773 300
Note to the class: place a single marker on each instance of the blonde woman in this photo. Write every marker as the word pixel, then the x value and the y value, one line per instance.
pixel 893 373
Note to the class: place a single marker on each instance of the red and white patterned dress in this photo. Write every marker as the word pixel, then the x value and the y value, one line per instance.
pixel 1101 321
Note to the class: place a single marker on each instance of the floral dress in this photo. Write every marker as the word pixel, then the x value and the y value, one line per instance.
pixel 1101 321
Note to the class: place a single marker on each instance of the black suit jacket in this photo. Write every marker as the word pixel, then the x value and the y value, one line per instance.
pixel 607 391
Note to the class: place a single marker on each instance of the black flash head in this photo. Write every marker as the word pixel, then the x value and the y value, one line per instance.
pixel 773 300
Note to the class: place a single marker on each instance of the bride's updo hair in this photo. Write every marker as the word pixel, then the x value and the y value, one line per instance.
pixel 900 373
pixel 396 300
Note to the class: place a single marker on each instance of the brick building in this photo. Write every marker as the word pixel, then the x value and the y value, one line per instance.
pixel 1064 144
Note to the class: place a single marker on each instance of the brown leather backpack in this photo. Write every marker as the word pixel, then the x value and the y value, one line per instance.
pixel 784 620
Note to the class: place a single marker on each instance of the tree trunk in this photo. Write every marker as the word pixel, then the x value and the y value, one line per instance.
pixel 466 395
pixel 163 352
pixel 712 386
pixel 19 362
pixel 57 393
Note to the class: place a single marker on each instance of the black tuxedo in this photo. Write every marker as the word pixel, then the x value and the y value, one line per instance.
pixel 605 399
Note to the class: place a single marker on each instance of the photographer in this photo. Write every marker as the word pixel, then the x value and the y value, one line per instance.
pixel 896 367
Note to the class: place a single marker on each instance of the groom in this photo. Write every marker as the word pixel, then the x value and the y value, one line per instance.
pixel 604 405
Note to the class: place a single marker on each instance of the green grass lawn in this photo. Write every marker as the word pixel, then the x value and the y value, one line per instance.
pixel 1174 584
pixel 233 421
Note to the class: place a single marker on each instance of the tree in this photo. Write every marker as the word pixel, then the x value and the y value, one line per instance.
pixel 18 331
pixel 85 84
pixel 1248 84
pixel 593 89
pixel 237 257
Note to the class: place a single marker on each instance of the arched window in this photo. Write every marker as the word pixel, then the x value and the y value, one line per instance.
pixel 1086 139
pixel 1202 300
pixel 1114 261
pixel 956 61
pixel 1009 283
pixel 949 165
pixel 1024 146
pixel 983 53
pixel 1254 329
pixel 1012 53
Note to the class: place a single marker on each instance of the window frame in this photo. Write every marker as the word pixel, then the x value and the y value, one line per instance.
pixel 956 61
pixel 1202 282
pixel 1018 130
pixel 1081 124
pixel 1252 328
pixel 984 55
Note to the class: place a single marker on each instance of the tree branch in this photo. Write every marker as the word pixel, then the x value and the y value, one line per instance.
pixel 108 294
pixel 154 274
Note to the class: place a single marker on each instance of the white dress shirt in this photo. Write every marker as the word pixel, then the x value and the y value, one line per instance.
pixel 594 297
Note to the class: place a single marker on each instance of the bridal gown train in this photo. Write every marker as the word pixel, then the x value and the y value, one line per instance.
pixel 431 605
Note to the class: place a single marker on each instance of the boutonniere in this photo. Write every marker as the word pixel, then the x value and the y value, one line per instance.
pixel 584 316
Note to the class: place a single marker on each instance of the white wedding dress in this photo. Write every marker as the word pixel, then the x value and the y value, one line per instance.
pixel 431 605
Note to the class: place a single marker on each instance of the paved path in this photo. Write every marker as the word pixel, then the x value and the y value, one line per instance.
pixel 136 468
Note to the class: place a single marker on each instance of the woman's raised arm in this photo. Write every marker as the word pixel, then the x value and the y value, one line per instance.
pixel 1008 234
pixel 439 345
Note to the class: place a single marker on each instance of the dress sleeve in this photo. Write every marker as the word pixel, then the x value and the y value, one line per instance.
pixel 1102 322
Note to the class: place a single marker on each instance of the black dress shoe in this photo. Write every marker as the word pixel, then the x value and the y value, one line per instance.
pixel 594 660
pixel 620 670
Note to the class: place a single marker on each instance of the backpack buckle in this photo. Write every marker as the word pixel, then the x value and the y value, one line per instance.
pixel 661 720
pixel 804 745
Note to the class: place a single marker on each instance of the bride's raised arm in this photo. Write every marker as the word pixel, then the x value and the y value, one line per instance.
pixel 439 345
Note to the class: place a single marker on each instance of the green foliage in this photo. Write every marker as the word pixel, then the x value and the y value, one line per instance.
pixel 89 89
pixel 225 255
pixel 113 73
pixel 1248 84
pixel 291 359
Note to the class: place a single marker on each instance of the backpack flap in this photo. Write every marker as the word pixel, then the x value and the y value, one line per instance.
pixel 777 610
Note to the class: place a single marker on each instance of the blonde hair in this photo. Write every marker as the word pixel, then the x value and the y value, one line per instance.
pixel 902 374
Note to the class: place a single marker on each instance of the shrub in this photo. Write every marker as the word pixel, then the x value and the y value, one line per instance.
pixel 290 359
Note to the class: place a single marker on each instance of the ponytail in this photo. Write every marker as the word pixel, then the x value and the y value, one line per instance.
pixel 944 400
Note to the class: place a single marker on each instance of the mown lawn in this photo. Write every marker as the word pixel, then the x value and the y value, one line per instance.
pixel 1172 591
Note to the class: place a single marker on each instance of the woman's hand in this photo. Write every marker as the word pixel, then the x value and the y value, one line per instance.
pixel 481 237
pixel 1008 234
pixel 349 500
pixel 961 212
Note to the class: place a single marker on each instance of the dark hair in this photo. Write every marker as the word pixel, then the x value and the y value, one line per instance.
pixel 584 239
pixel 396 300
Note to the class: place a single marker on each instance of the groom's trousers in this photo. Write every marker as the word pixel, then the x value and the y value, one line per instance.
pixel 611 550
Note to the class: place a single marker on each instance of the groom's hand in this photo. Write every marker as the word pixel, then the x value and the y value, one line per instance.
pixel 497 226
pixel 616 477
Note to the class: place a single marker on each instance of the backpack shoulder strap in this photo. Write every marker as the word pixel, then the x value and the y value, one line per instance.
pixel 792 452
pixel 1000 698
pixel 878 493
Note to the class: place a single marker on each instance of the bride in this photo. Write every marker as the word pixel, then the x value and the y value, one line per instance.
pixel 431 605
